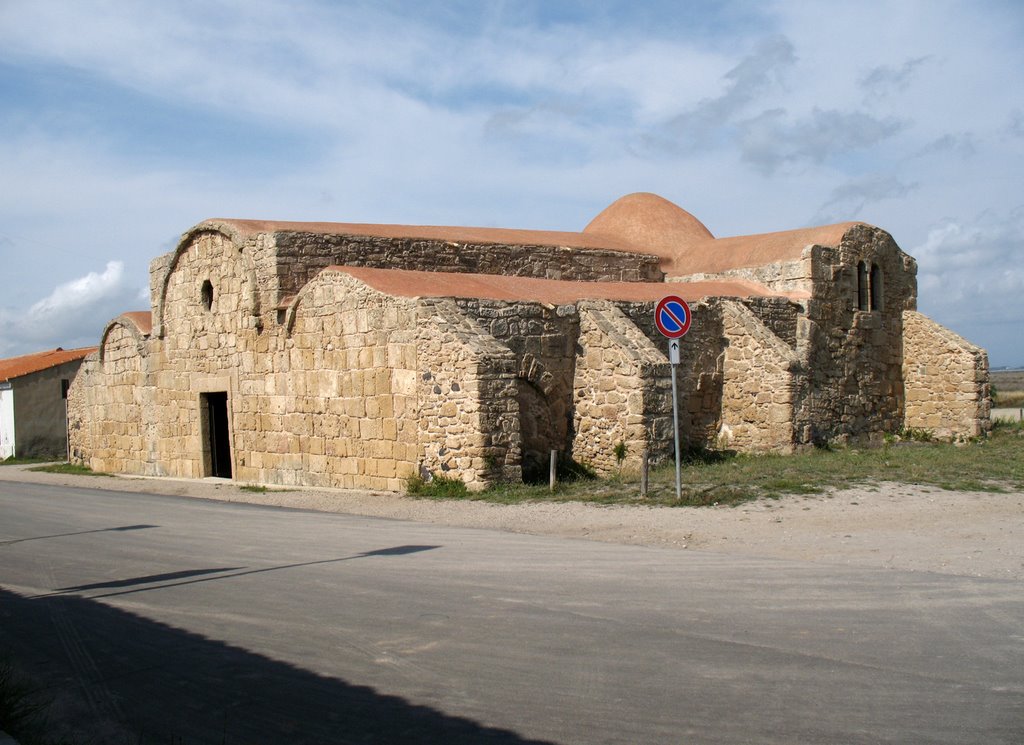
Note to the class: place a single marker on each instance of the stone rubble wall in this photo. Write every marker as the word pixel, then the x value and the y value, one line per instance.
pixel 782 276
pixel 699 374
pixel 468 412
pixel 778 314
pixel 853 389
pixel 622 391
pixel 946 380
pixel 759 384
pixel 301 255
pixel 542 339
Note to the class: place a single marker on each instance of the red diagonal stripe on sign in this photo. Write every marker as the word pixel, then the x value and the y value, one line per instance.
pixel 666 309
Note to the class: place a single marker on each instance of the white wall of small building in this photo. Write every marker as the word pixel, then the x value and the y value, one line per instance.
pixel 6 421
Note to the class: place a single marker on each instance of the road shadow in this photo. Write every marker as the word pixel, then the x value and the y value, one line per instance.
pixel 195 576
pixel 120 529
pixel 116 677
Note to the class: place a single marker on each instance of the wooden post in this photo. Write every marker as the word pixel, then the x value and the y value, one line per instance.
pixel 554 469
pixel 645 468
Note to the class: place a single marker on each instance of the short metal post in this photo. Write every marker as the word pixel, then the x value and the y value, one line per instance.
pixel 645 468
pixel 554 469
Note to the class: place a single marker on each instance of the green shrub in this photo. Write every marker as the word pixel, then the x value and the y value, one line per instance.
pixel 438 487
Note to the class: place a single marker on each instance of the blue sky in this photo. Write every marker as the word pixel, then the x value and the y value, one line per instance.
pixel 122 124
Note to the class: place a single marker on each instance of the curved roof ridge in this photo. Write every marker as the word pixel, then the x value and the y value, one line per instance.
pixel 141 319
pixel 416 283
pixel 759 249
pixel 457 234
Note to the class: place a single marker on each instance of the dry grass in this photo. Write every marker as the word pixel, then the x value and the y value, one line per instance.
pixel 995 463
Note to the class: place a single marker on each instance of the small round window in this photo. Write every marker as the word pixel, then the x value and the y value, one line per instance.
pixel 207 294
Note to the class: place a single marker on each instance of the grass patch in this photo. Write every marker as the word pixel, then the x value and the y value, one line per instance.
pixel 260 489
pixel 71 468
pixel 709 478
pixel 1008 399
pixel 438 487
pixel 12 461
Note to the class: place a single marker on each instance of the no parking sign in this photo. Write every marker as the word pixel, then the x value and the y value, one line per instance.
pixel 672 317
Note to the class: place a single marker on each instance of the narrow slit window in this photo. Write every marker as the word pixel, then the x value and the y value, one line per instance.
pixel 875 283
pixel 863 292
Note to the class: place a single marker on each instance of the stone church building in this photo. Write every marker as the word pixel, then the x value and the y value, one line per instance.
pixel 353 355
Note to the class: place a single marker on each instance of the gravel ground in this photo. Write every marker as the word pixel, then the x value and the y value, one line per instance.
pixel 892 526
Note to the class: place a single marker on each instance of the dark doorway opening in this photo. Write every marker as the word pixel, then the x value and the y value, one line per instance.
pixel 217 434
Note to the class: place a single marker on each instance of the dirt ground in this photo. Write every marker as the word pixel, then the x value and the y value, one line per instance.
pixel 892 526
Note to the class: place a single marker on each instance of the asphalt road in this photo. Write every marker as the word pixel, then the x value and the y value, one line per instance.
pixel 186 621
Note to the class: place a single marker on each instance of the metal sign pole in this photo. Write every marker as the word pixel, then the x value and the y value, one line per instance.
pixel 673 355
pixel 672 317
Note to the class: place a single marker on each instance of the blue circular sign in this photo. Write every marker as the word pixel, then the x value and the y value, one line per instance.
pixel 672 317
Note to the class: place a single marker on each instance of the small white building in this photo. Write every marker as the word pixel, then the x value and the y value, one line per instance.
pixel 33 391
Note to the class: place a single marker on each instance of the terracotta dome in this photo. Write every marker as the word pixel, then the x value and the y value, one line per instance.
pixel 651 224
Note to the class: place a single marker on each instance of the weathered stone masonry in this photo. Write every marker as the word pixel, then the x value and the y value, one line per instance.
pixel 357 356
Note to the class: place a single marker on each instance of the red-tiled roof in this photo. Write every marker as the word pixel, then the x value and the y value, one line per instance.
pixel 640 223
pixel 408 283
pixel 502 236
pixel 141 319
pixel 649 224
pixel 16 367
pixel 745 251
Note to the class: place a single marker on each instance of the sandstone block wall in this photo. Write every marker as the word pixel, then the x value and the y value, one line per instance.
pixel 622 391
pixel 699 373
pixel 110 412
pixel 759 384
pixel 946 380
pixel 542 340
pixel 469 414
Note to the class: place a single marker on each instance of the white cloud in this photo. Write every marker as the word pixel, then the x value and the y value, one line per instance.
pixel 898 112
pixel 847 201
pixel 885 80
pixel 72 315
pixel 970 277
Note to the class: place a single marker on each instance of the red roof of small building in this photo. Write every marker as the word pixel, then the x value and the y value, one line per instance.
pixel 16 367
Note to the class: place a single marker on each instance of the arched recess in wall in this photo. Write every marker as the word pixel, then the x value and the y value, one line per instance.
pixel 543 417
pixel 130 324
pixel 536 431
pixel 186 242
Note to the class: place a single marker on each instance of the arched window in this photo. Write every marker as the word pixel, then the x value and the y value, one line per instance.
pixel 876 287
pixel 206 294
pixel 863 290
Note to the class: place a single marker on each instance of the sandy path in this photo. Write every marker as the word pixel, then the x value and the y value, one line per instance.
pixel 894 526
